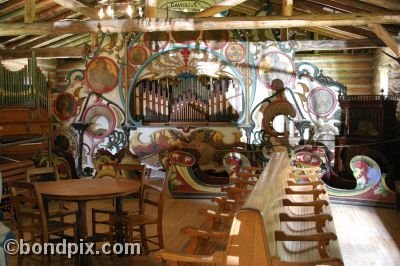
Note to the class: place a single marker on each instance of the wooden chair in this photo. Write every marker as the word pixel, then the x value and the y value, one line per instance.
pixel 42 174
pixel 26 200
pixel 151 197
pixel 103 216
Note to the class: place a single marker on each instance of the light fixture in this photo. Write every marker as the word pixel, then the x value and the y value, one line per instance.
pixel 140 11
pixel 101 13
pixel 129 10
pixel 112 9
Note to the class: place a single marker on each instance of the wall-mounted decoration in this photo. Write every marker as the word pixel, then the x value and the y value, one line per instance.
pixel 274 115
pixel 67 140
pixel 235 52
pixel 101 74
pixel 156 41
pixel 186 37
pixel 276 65
pixel 101 120
pixel 137 55
pixel 215 39
pixel 64 106
pixel 321 101
pixel 365 170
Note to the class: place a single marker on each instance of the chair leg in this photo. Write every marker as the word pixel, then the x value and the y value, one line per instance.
pixel 20 260
pixel 93 225
pixel 160 236
pixel 45 261
pixel 143 238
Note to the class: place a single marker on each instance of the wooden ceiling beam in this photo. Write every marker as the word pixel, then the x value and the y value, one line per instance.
pixel 389 4
pixel 18 14
pixel 197 24
pixel 218 8
pixel 335 44
pixel 30 12
pixel 10 6
pixel 363 6
pixel 43 52
pixel 334 33
pixel 33 41
pixel 337 6
pixel 78 7
pixel 287 11
pixel 386 37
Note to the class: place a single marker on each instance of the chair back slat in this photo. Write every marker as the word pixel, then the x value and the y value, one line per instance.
pixel 26 200
pixel 38 174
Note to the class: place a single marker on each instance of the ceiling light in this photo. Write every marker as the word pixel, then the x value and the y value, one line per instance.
pixel 110 11
pixel 101 13
pixel 129 10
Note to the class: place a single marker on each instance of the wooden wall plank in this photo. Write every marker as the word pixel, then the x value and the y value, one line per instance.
pixel 355 71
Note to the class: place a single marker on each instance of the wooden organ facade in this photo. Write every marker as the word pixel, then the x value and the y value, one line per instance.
pixel 368 128
pixel 187 99
pixel 24 111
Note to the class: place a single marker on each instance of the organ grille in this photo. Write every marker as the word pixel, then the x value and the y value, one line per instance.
pixel 187 99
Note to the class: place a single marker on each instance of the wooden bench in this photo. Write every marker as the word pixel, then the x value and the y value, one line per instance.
pixel 277 225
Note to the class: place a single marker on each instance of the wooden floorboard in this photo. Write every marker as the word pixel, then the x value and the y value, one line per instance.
pixel 367 235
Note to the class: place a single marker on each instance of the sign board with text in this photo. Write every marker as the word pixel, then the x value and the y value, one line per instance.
pixel 187 5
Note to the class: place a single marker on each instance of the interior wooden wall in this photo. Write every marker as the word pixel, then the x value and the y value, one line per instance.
pixel 353 70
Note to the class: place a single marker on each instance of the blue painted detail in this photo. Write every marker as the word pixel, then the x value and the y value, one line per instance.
pixel 69 76
pixel 97 52
pixel 135 40
pixel 296 103
pixel 302 68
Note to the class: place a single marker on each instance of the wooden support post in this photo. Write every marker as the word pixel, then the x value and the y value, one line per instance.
pixel 29 15
pixel 386 37
pixel 287 11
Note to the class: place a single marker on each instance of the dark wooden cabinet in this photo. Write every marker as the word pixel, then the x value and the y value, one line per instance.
pixel 368 128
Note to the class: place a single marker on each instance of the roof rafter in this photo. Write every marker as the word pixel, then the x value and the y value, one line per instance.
pixel 198 24
pixel 218 8
pixel 78 7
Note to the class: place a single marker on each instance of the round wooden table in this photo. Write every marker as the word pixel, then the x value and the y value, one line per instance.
pixel 82 190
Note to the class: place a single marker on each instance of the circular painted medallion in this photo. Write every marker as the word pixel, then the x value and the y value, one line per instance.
pixel 275 65
pixel 101 74
pixel 321 101
pixel 101 120
pixel 235 52
pixel 64 106
pixel 137 55
pixel 215 39
pixel 185 37
pixel 156 41
pixel 365 170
